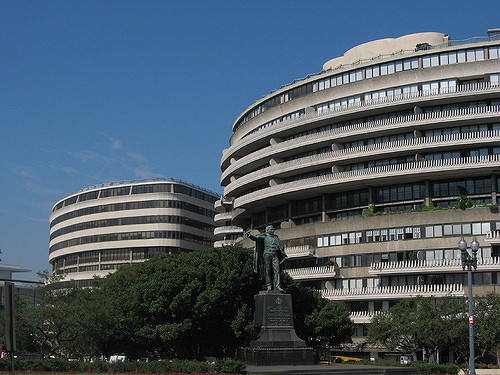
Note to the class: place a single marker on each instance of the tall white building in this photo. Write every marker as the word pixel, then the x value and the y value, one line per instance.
pixel 343 162
pixel 95 230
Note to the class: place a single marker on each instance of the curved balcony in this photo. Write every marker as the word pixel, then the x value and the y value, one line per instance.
pixel 357 108
pixel 223 217
pixel 493 238
pixel 362 153
pixel 354 178
pixel 394 292
pixel 298 251
pixel 363 317
pixel 222 204
pixel 223 243
pixel 426 266
pixel 310 273
pixel 223 231
pixel 413 121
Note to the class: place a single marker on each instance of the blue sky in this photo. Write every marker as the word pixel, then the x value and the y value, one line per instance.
pixel 102 91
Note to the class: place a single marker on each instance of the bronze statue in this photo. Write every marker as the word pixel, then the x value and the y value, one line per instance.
pixel 269 254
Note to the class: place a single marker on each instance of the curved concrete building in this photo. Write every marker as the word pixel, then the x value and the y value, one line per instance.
pixel 395 125
pixel 95 230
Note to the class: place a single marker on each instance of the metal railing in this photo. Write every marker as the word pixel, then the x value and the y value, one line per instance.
pixel 421 265
pixel 395 292
pixel 312 272
pixel 376 149
pixel 478 87
pixel 370 173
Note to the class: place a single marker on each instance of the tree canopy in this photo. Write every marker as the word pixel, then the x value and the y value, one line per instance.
pixel 187 305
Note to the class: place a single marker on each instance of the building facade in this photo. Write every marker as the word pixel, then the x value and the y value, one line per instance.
pixel 360 167
pixel 95 230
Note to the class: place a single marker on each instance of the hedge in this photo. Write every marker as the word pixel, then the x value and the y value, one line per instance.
pixel 228 366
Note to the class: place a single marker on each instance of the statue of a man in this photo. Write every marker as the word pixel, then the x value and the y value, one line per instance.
pixel 269 254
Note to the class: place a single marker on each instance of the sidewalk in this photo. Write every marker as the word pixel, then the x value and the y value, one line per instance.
pixel 336 369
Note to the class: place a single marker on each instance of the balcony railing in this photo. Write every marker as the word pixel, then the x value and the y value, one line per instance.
pixel 298 251
pixel 415 144
pixel 394 292
pixel 425 166
pixel 309 273
pixel 465 89
pixel 464 114
pixel 222 243
pixel 232 229
pixel 493 237
pixel 432 265
pixel 223 216
pixel 362 317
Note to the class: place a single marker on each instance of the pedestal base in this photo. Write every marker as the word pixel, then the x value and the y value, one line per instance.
pixel 277 344
pixel 277 356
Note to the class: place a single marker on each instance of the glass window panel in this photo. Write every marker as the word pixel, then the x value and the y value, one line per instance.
pixel 443 58
pixel 461 56
pixel 383 69
pixel 479 54
pixel 390 68
pixel 485 228
pixel 448 229
pixel 399 66
pixel 429 231
pixel 452 58
pixel 434 60
pixel 368 72
pixel 438 231
pixel 493 52
pixel 471 55
pixel 476 228
pixel 457 229
pixel 466 228
pixel 426 62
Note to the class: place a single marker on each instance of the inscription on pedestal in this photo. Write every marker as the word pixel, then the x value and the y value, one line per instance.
pixel 279 313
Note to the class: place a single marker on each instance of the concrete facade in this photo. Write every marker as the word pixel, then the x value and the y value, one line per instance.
pixel 96 230
pixel 360 167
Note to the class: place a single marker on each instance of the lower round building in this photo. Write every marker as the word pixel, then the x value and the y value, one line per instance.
pixel 96 230
pixel 361 166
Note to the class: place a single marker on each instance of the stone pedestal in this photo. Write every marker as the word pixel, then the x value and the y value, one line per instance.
pixel 277 343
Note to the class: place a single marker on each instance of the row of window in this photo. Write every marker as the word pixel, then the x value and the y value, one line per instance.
pixel 462 129
pixel 443 86
pixel 445 58
pixel 133 206
pixel 368 259
pixel 364 122
pixel 143 235
pixel 136 189
pixel 381 195
pixel 156 219
pixel 480 278
pixel 396 234
pixel 96 256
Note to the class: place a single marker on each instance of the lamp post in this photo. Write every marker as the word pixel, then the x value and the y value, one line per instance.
pixel 469 261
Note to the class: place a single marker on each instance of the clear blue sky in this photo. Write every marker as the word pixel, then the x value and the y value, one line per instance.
pixel 98 91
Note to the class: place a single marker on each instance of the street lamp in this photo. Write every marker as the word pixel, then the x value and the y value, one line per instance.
pixel 468 262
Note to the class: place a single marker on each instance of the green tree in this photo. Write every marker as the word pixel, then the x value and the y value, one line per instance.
pixel 187 305
pixel 330 325
pixel 419 324
pixel 487 324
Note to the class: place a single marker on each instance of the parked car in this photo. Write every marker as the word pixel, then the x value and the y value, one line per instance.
pixel 405 360
pixel 340 359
